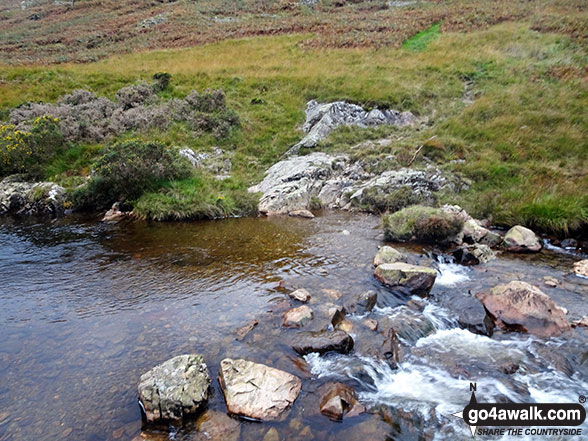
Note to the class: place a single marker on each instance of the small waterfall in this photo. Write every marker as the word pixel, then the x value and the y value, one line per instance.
pixel 450 273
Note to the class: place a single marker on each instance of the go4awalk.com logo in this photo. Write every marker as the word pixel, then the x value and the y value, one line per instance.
pixel 523 419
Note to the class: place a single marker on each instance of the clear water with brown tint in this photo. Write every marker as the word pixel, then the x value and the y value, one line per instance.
pixel 87 307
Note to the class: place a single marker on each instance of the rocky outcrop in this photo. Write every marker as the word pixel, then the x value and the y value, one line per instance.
pixel 256 391
pixel 520 240
pixel 519 306
pixel 387 254
pixel 412 279
pixel 339 399
pixel 297 317
pixel 175 388
pixel 581 268
pixel 31 198
pixel 297 183
pixel 322 342
pixel 323 118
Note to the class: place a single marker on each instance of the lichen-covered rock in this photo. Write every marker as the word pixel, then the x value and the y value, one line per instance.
pixel 257 391
pixel 581 268
pixel 31 198
pixel 519 306
pixel 520 239
pixel 323 118
pixel 473 254
pixel 412 279
pixel 175 388
pixel 387 254
pixel 300 182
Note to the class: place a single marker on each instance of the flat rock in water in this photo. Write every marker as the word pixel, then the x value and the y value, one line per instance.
pixel 520 240
pixel 175 388
pixel 411 278
pixel 298 317
pixel 519 306
pixel 301 295
pixel 257 391
pixel 322 342
pixel 301 213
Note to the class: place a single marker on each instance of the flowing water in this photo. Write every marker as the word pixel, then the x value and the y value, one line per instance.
pixel 87 307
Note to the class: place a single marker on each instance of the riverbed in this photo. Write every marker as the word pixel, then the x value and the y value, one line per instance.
pixel 86 307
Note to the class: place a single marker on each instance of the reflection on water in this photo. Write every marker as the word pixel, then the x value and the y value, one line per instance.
pixel 87 307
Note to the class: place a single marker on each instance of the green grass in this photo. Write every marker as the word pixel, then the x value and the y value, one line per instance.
pixel 521 143
pixel 422 39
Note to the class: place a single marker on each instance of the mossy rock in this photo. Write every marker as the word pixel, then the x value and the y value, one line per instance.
pixel 422 224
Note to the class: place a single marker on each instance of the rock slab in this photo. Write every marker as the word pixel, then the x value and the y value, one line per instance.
pixel 256 391
pixel 413 278
pixel 322 342
pixel 175 388
pixel 519 306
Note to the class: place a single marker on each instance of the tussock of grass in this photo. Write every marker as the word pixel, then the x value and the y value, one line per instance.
pixel 423 224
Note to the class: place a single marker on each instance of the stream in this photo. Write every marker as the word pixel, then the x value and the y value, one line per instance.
pixel 87 307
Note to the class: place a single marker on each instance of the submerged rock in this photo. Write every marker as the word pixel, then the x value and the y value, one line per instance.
pixel 362 303
pixel 257 391
pixel 387 254
pixel 339 399
pixel 519 306
pixel 31 198
pixel 322 119
pixel 411 278
pixel 581 268
pixel 520 239
pixel 217 426
pixel 298 317
pixel 322 342
pixel 301 213
pixel 175 388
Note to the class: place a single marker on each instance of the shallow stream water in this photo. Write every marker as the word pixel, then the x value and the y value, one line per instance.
pixel 87 307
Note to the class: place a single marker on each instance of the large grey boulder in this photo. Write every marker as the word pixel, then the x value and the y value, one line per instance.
pixel 519 306
pixel 323 118
pixel 175 388
pixel 520 239
pixel 413 279
pixel 296 183
pixel 257 391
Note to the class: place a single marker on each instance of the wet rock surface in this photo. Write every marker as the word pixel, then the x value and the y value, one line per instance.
pixel 339 399
pixel 412 279
pixel 257 391
pixel 519 306
pixel 581 268
pixel 322 342
pixel 175 388
pixel 298 317
pixel 387 254
pixel 217 426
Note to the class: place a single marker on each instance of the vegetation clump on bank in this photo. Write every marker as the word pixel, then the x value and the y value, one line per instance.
pixel 424 224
